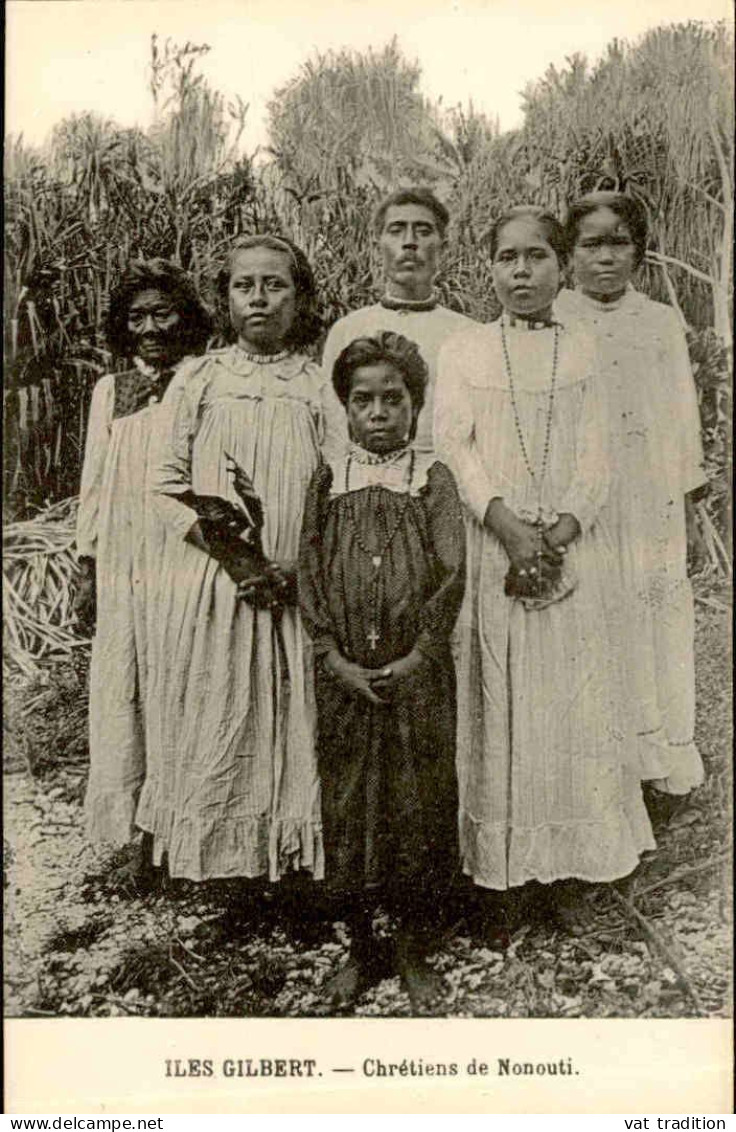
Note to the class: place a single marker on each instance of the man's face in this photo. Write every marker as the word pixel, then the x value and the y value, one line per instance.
pixel 410 244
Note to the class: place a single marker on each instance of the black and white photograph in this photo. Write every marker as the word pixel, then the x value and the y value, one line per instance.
pixel 367 553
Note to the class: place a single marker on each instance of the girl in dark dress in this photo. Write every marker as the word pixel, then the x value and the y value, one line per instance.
pixel 381 580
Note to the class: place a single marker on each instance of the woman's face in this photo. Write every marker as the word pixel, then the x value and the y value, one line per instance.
pixel 526 271
pixel 261 298
pixel 604 256
pixel 379 408
pixel 154 327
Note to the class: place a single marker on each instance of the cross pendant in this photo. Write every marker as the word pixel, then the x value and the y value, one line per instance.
pixel 374 638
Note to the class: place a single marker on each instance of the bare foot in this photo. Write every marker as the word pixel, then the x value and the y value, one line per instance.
pixel 497 937
pixel 137 874
pixel 344 989
pixel 569 907
pixel 423 985
pixel 661 806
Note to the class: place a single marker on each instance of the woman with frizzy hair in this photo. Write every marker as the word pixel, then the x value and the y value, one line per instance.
pixel 155 319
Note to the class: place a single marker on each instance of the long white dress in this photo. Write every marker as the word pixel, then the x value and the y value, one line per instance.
pixel 428 329
pixel 117 526
pixel 655 437
pixel 547 791
pixel 233 788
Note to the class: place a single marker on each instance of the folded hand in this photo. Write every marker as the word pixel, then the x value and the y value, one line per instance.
pixel 354 676
pixel 387 680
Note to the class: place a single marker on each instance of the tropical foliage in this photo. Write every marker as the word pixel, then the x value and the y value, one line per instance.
pixel 654 118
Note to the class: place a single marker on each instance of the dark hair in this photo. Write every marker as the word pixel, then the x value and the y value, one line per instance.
pixel 628 209
pixel 307 325
pixel 414 195
pixel 551 226
pixel 385 346
pixel 195 324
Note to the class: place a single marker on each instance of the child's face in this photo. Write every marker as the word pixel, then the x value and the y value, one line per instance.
pixel 604 257
pixel 526 271
pixel 379 408
pixel 261 298
pixel 153 326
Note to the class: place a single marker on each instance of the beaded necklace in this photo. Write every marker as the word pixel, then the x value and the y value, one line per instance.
pixel 538 480
pixel 377 560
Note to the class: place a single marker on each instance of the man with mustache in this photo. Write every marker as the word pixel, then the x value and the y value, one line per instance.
pixel 410 227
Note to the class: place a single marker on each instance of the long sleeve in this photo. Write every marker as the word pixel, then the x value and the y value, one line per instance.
pixel 96 448
pixel 447 530
pixel 171 467
pixel 336 429
pixel 454 427
pixel 312 597
pixel 590 482
pixel 335 343
pixel 684 406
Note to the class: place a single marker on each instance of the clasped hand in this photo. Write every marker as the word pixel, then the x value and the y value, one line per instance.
pixel 271 588
pixel 377 685
pixel 531 550
pixel 531 554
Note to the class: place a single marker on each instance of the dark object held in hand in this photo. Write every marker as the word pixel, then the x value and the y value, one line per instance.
pixel 233 535
pixel 281 584
pixel 541 586
pixel 85 597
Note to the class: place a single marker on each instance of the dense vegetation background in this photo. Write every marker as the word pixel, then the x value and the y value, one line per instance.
pixel 654 119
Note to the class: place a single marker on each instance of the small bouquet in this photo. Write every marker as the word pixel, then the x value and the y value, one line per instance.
pixel 234 537
pixel 276 586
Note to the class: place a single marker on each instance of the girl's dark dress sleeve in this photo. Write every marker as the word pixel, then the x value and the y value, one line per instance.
pixel 446 532
pixel 312 598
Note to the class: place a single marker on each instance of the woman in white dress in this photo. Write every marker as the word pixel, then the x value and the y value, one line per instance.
pixel 547 792
pixel 155 319
pixel 234 791
pixel 654 427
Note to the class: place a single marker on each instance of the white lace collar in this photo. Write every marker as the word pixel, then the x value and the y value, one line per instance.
pixel 350 473
pixel 281 366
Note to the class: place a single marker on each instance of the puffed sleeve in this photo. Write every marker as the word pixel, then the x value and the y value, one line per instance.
pixel 312 595
pixel 591 478
pixel 95 454
pixel 177 422
pixel 684 408
pixel 454 424
pixel 447 533
pixel 336 429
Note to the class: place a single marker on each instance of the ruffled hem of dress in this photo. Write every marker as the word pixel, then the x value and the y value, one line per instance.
pixel 672 768
pixel 593 851
pixel 110 819
pixel 250 847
